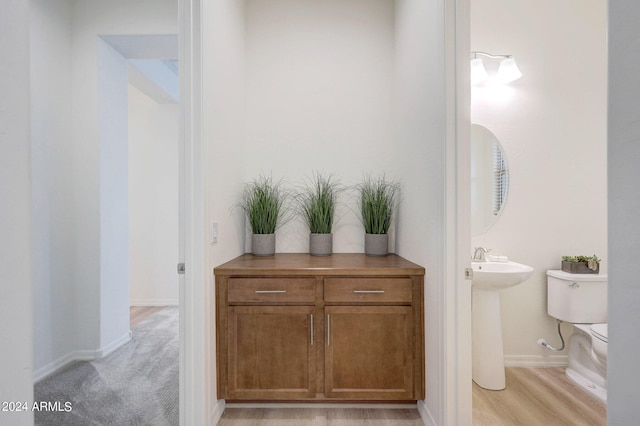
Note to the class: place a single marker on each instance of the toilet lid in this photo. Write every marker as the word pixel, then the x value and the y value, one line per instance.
pixel 600 331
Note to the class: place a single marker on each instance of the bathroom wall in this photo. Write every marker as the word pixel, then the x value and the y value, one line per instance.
pixel 552 125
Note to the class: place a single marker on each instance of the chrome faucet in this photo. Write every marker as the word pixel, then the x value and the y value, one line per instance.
pixel 479 254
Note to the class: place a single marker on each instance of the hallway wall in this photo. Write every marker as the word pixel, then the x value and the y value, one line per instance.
pixel 153 200
pixel 16 289
pixel 82 302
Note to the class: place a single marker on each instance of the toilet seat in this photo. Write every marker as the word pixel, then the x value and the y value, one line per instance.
pixel 600 332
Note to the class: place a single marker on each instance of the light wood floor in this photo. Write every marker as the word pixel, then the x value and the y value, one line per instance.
pixel 537 396
pixel 137 314
pixel 534 396
pixel 319 416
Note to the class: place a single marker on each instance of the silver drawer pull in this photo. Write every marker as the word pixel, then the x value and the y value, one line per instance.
pixel 369 291
pixel 270 291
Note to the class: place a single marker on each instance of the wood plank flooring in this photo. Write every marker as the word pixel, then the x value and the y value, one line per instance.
pixel 537 396
pixel 319 416
pixel 534 396
pixel 140 313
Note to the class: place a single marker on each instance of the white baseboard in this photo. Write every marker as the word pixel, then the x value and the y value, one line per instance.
pixel 535 361
pixel 153 302
pixel 106 350
pixel 425 414
pixel 81 355
pixel 216 413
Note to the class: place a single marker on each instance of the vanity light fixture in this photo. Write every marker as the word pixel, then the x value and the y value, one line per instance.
pixel 507 71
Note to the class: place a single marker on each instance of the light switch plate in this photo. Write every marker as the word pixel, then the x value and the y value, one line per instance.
pixel 213 232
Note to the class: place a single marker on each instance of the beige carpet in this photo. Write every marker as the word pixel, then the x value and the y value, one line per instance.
pixel 135 385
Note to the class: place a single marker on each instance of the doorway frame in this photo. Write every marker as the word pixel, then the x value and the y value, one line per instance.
pixel 456 328
pixel 194 369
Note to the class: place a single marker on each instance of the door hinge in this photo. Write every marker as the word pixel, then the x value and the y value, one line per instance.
pixel 181 268
pixel 468 273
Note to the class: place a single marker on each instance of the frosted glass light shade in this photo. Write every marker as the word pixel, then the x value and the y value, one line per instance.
pixel 508 71
pixel 478 73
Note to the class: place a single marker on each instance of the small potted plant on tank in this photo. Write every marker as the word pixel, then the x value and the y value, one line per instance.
pixel 581 264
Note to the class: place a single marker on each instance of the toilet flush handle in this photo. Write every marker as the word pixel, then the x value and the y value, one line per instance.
pixel 574 285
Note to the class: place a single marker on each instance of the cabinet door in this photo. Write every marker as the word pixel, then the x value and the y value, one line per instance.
pixel 369 352
pixel 271 352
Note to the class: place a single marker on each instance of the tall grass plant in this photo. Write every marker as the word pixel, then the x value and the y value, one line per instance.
pixel 317 203
pixel 379 199
pixel 264 202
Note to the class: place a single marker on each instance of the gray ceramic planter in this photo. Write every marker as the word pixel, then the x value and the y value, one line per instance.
pixel 376 244
pixel 320 244
pixel 263 244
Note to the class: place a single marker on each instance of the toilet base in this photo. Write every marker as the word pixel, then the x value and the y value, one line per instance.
pixel 595 390
pixel 584 368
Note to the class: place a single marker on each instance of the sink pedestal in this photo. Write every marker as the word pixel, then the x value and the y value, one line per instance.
pixel 488 354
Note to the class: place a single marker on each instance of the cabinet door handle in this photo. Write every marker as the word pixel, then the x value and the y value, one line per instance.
pixel 328 330
pixel 270 291
pixel 311 315
pixel 369 291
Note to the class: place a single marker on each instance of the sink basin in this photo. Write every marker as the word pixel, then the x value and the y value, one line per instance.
pixel 499 275
pixel 488 356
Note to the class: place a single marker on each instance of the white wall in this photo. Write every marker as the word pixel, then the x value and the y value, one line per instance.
pixel 319 79
pixel 16 309
pixel 347 88
pixel 624 205
pixel 114 197
pixel 153 200
pixel 223 163
pixel 52 228
pixel 418 151
pixel 82 306
pixel 91 19
pixel 552 125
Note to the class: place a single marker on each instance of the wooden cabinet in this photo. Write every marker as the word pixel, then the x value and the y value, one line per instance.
pixel 369 352
pixel 346 327
pixel 271 352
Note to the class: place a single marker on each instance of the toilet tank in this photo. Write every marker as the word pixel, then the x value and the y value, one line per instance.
pixel 577 298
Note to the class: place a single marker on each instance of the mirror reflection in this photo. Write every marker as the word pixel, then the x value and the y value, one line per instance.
pixel 489 179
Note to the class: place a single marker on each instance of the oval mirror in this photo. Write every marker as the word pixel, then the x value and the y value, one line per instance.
pixel 489 179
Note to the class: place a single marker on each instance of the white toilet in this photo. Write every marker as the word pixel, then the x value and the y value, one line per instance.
pixel 581 299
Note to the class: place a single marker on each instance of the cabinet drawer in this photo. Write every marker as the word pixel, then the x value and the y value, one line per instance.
pixel 393 290
pixel 272 290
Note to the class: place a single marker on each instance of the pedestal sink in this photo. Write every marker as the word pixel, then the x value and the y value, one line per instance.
pixel 488 355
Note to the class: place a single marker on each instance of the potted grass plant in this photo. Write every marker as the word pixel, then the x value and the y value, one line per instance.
pixel 317 203
pixel 378 202
pixel 264 203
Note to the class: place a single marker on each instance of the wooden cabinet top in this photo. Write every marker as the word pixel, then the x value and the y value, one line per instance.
pixel 305 264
